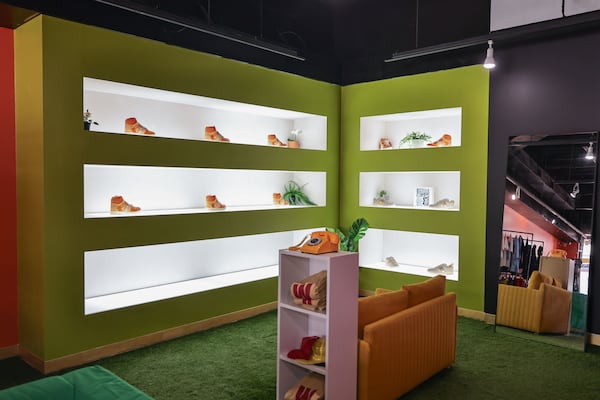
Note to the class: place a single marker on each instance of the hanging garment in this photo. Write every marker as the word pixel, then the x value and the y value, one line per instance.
pixel 516 254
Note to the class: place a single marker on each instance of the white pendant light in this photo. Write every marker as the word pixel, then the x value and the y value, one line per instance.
pixel 489 61
pixel 589 155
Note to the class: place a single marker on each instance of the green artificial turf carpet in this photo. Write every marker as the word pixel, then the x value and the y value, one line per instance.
pixel 238 361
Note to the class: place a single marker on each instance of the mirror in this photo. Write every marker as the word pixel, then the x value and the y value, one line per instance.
pixel 546 238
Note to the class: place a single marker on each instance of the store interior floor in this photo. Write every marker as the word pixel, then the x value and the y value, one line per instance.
pixel 238 361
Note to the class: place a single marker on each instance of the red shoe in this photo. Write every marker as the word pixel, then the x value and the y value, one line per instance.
pixel 305 350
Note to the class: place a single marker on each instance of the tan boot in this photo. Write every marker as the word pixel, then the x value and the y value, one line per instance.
pixel 211 133
pixel 118 205
pixel 213 203
pixel 278 200
pixel 445 140
pixel 273 141
pixel 133 126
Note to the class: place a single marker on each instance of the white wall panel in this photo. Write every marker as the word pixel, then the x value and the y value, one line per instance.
pixel 509 13
pixel 573 7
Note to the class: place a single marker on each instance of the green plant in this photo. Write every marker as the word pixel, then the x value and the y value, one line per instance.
pixel 382 193
pixel 349 241
pixel 294 194
pixel 415 136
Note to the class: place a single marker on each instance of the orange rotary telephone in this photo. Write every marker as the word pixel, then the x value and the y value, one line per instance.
pixel 318 243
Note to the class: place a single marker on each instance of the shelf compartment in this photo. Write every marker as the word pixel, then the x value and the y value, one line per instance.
pixel 401 187
pixel 178 190
pixel 395 127
pixel 184 116
pixel 124 277
pixel 415 252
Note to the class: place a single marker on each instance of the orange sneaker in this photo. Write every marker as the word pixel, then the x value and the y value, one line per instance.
pixel 118 205
pixel 278 200
pixel 212 202
pixel 132 125
pixel 211 133
pixel 445 140
pixel 273 141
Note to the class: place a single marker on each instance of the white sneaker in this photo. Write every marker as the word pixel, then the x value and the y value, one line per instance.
pixel 444 269
pixel 391 262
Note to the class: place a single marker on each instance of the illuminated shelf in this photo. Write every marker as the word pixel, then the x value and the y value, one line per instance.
pixel 395 127
pixel 184 116
pixel 125 277
pixel 177 190
pixel 401 187
pixel 415 252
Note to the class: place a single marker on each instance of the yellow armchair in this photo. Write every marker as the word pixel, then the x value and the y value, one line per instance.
pixel 539 308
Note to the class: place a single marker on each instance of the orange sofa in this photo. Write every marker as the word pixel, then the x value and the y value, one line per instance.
pixel 404 337
pixel 542 307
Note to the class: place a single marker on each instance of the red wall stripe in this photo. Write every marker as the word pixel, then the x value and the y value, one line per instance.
pixel 8 224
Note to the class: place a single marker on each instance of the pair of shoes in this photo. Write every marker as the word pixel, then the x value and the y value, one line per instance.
pixel 213 203
pixel 305 350
pixel 445 140
pixel 278 200
pixel 273 141
pixel 211 133
pixel 118 205
pixel 132 125
pixel 391 262
pixel 444 269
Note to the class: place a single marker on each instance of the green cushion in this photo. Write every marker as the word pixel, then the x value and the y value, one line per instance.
pixel 95 383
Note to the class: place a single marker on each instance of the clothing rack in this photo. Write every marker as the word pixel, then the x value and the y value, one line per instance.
pixel 530 238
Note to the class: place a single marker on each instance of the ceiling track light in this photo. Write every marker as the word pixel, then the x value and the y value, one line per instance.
pixel 575 190
pixel 489 61
pixel 589 154
pixel 199 27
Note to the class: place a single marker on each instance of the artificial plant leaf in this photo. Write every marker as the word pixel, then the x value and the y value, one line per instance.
pixel 358 229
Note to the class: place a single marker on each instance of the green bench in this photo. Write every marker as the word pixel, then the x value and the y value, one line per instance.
pixel 94 383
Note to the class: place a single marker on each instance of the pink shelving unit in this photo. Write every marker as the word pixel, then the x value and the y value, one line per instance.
pixel 338 323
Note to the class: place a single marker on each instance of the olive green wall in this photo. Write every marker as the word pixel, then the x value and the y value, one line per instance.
pixel 464 87
pixel 52 57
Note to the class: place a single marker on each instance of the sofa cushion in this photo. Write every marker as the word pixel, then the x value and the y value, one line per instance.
pixel 427 290
pixel 379 291
pixel 373 308
pixel 537 278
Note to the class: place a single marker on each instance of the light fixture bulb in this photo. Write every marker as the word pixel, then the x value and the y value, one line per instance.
pixel 553 221
pixel 517 193
pixel 589 155
pixel 489 61
pixel 575 190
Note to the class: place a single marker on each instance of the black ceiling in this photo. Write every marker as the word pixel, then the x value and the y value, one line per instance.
pixel 343 41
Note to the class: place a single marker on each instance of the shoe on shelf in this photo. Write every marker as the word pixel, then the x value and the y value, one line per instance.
pixel 273 141
pixel 444 269
pixel 443 203
pixel 305 350
pixel 211 133
pixel 385 143
pixel 132 125
pixel 118 205
pixel 278 200
pixel 391 262
pixel 213 203
pixel 445 140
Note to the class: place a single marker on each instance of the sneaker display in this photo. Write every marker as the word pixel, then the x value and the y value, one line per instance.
pixel 385 143
pixel 443 203
pixel 118 205
pixel 211 133
pixel 273 141
pixel 444 269
pixel 213 203
pixel 133 126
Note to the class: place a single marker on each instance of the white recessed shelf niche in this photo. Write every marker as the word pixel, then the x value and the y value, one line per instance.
pixel 416 253
pixel 185 116
pixel 179 190
pixel 124 277
pixel 423 190
pixel 394 127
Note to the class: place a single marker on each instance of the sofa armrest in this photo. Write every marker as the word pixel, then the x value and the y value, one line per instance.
pixel 519 307
pixel 556 309
pixel 406 348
